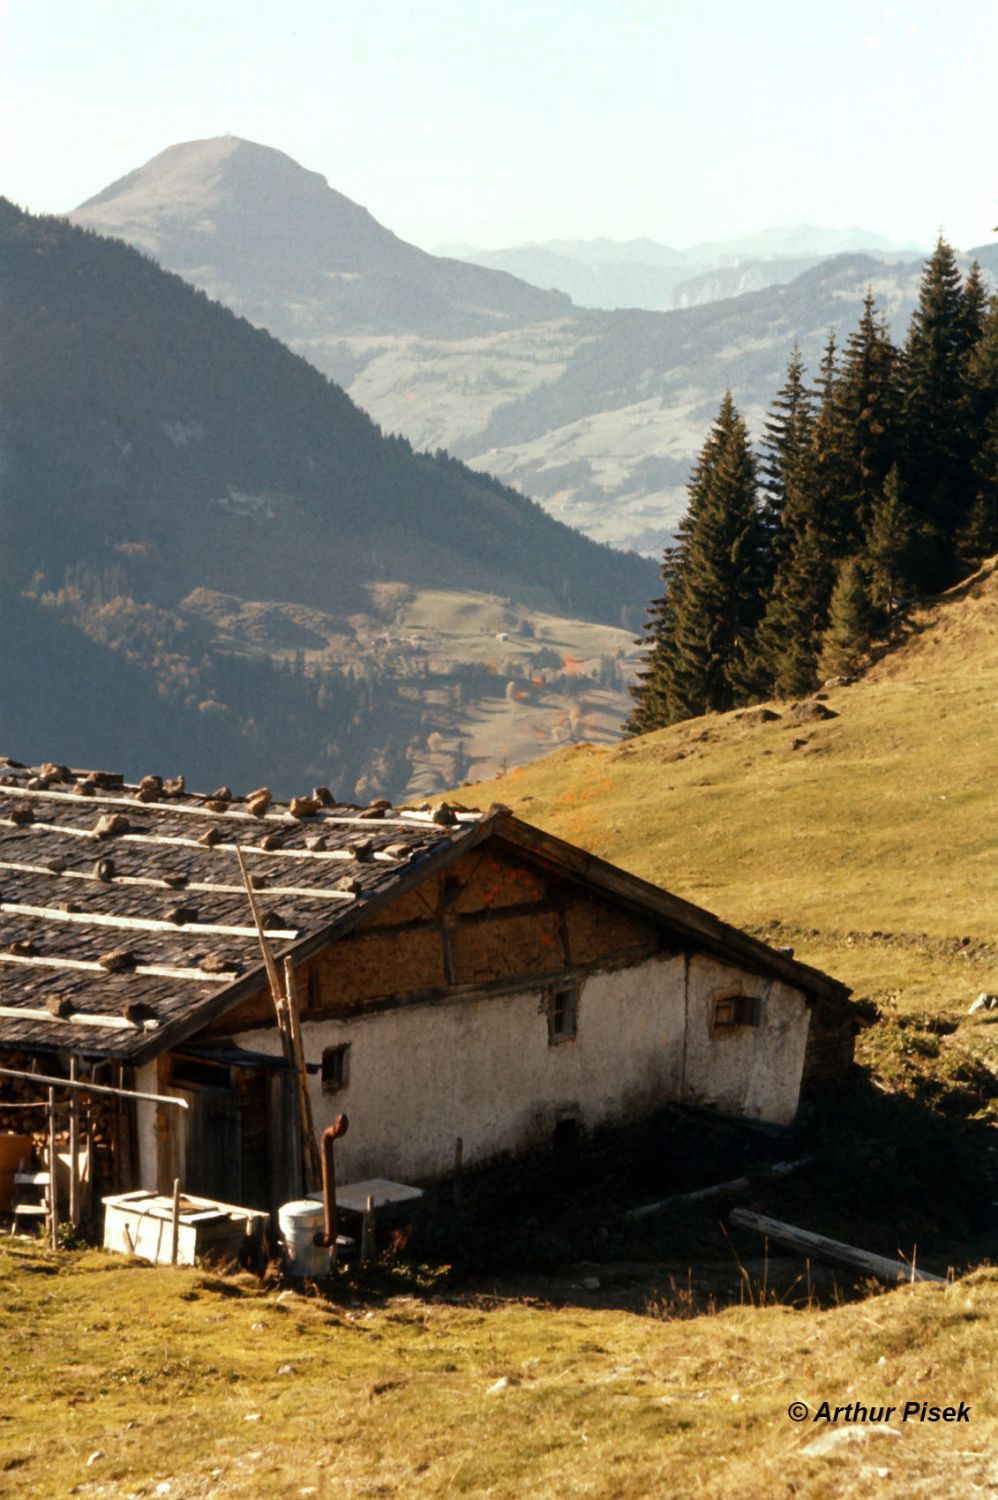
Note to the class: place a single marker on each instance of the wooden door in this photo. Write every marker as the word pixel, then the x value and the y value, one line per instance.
pixel 212 1156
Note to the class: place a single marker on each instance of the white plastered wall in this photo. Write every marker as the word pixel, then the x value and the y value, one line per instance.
pixel 749 1070
pixel 483 1069
pixel 420 1076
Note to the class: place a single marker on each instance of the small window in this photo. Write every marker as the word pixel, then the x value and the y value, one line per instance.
pixel 732 1011
pixel 563 1009
pixel 335 1068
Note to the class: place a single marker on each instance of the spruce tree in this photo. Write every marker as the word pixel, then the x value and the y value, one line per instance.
pixel 847 638
pixel 889 549
pixel 701 629
pixel 973 308
pixel 866 413
pixel 823 479
pixel 979 536
pixel 937 456
pixel 651 690
pixel 785 449
pixel 789 638
pixel 717 605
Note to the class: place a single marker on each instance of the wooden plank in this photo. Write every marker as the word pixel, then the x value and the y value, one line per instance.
pixel 150 882
pixel 716 1190
pixel 76 1018
pixel 268 957
pixel 175 1223
pixel 65 830
pixel 89 1087
pixel 823 1248
pixel 53 1187
pixel 367 1232
pixel 90 966
pixel 142 924
pixel 74 1149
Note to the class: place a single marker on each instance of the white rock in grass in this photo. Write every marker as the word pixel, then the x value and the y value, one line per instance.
pixel 502 1384
pixel 837 1442
pixel 94 1457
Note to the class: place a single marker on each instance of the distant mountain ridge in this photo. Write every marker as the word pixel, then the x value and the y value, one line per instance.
pixel 603 273
pixel 597 414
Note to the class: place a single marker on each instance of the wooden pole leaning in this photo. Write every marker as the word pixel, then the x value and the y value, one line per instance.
pixel 311 1160
pixel 286 1009
pixel 273 978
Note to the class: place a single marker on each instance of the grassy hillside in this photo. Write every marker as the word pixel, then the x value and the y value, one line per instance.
pixel 130 1381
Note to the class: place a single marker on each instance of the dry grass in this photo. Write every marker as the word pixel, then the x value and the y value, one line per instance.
pixel 191 1384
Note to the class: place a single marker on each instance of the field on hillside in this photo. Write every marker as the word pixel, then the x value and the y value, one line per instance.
pixel 127 1381
pixel 478 682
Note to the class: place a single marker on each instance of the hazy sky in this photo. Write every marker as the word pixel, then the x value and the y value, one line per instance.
pixel 532 119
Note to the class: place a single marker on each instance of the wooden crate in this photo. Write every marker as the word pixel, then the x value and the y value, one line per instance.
pixel 141 1223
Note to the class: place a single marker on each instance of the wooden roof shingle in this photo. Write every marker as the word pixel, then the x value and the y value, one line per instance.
pixel 114 896
pixel 124 921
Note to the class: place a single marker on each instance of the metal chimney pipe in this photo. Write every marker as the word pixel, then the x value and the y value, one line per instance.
pixel 327 1236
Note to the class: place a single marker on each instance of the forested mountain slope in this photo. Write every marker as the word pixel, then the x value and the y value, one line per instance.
pixel 155 445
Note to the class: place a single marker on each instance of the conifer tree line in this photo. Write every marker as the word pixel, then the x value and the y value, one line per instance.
pixel 873 486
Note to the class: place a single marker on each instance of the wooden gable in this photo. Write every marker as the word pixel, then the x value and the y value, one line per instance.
pixel 491 918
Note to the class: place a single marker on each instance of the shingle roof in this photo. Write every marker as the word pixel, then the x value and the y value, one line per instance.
pixel 92 867
pixel 125 925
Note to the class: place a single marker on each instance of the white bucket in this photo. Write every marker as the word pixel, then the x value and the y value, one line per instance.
pixel 299 1223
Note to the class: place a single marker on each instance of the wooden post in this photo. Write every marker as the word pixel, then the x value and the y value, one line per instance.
pixel 53 1176
pixel 458 1161
pixel 175 1224
pixel 823 1248
pixel 118 1128
pixel 311 1162
pixel 367 1232
pixel 74 1149
pixel 268 958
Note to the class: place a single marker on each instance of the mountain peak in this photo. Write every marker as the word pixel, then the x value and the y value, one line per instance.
pixel 227 211
pixel 194 185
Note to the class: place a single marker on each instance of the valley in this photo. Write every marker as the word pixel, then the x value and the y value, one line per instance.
pixel 217 542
